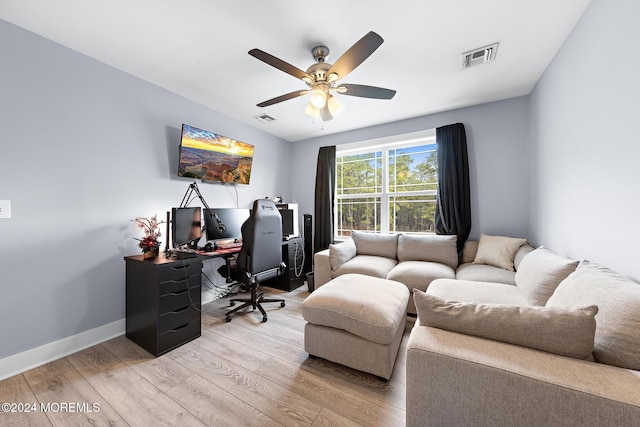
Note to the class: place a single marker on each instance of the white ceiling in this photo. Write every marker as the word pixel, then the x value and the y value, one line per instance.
pixel 198 49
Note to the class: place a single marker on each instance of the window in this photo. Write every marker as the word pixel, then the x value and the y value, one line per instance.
pixel 389 187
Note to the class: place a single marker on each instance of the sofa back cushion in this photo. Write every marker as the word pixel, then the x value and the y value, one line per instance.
pixel 540 273
pixel 617 339
pixel 565 331
pixel 339 253
pixel 384 245
pixel 428 247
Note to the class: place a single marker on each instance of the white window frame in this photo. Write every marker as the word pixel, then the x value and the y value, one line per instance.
pixel 384 145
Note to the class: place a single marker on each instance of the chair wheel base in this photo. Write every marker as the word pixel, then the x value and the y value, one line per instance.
pixel 227 319
pixel 282 304
pixel 264 319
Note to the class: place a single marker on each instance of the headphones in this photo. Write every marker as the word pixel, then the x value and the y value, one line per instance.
pixel 220 226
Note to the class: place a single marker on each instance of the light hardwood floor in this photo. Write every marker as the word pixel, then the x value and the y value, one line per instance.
pixel 241 373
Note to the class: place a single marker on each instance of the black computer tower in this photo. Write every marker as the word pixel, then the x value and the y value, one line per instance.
pixel 293 276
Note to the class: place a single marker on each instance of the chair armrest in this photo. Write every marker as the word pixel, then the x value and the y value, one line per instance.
pixel 321 268
pixel 456 379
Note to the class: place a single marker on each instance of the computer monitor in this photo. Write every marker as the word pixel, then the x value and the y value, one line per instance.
pixel 224 224
pixel 186 227
pixel 289 213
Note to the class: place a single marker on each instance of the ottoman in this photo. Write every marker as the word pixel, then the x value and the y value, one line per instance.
pixel 357 321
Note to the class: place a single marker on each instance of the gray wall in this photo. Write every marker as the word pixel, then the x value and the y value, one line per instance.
pixel 497 145
pixel 585 180
pixel 85 149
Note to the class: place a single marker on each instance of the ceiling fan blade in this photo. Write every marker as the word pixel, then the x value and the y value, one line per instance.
pixel 356 55
pixel 365 91
pixel 279 64
pixel 284 97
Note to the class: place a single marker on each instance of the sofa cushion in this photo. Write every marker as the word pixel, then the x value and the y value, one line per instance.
pixel 521 253
pixel 428 247
pixel 419 274
pixel 477 292
pixel 365 306
pixel 564 331
pixel 368 243
pixel 617 340
pixel 485 273
pixel 341 252
pixel 469 251
pixel 370 265
pixel 540 273
pixel 498 251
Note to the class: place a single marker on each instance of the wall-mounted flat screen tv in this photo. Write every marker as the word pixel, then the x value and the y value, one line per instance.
pixel 214 158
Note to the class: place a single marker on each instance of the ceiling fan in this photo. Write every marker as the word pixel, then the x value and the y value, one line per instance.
pixel 322 78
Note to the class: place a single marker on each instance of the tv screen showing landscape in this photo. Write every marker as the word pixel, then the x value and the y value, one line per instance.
pixel 214 158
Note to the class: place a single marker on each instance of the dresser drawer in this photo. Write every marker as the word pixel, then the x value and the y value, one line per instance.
pixel 178 336
pixel 179 272
pixel 177 286
pixel 178 318
pixel 179 300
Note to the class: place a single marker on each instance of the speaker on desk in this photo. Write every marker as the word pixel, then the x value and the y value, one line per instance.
pixel 308 242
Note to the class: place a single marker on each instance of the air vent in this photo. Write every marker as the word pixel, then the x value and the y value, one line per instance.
pixel 264 118
pixel 479 56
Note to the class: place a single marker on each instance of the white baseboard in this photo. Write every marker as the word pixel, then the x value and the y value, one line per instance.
pixel 21 362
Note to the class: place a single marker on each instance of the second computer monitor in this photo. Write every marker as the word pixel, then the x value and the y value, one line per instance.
pixel 224 223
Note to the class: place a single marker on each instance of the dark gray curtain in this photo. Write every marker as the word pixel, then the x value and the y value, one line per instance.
pixel 453 200
pixel 324 199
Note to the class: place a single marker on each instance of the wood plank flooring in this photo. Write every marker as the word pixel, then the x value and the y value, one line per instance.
pixel 241 373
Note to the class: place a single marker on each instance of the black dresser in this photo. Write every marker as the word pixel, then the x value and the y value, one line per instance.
pixel 163 301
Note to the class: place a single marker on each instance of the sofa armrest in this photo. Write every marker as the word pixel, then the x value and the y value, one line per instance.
pixel 456 379
pixel 321 268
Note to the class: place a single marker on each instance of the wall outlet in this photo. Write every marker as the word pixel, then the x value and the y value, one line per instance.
pixel 5 209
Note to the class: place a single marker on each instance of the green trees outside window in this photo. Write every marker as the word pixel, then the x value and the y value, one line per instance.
pixel 389 190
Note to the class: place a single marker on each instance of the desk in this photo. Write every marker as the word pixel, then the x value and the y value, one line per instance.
pixel 292 256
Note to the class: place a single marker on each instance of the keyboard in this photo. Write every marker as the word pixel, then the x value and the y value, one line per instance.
pixel 182 254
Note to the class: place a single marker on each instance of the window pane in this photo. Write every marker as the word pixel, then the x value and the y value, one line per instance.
pixel 412 214
pixel 360 174
pixel 358 214
pixel 413 169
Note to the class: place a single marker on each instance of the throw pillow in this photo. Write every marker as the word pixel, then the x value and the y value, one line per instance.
pixel 498 251
pixel 428 247
pixel 540 273
pixel 377 244
pixel 564 331
pixel 341 252
pixel 618 298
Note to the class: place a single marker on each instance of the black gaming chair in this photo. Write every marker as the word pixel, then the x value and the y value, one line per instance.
pixel 261 255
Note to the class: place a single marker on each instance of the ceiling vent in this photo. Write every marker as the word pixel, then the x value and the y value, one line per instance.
pixel 264 118
pixel 479 56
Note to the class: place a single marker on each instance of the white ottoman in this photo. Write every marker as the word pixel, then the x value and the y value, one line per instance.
pixel 357 321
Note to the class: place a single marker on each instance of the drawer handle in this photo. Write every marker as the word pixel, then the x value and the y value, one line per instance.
pixel 180 310
pixel 180 327
pixel 179 293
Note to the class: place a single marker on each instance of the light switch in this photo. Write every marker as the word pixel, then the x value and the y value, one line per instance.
pixel 5 209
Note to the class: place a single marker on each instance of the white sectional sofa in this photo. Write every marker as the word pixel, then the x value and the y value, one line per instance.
pixel 415 260
pixel 520 337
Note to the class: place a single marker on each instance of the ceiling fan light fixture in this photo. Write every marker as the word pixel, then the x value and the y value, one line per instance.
pixel 312 111
pixel 332 77
pixel 318 98
pixel 334 105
